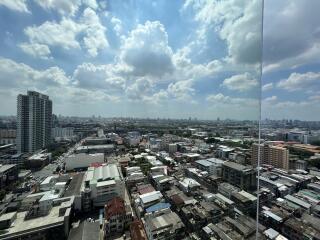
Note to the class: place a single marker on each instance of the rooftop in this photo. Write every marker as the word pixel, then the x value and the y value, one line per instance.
pixel 237 166
pixel 6 167
pixel 75 185
pixel 157 207
pixel 115 207
pixel 21 226
pixel 103 172
pixel 85 231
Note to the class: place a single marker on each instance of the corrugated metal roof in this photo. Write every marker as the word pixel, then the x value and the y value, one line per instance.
pixel 158 207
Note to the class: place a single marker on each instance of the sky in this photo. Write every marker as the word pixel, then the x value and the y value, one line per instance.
pixel 171 59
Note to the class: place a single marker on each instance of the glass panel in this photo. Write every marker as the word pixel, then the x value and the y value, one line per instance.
pixel 290 109
pixel 147 112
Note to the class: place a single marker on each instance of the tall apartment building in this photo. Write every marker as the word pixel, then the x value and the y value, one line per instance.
pixel 274 155
pixel 34 119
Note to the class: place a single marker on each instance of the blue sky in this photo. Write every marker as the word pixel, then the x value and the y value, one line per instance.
pixel 174 59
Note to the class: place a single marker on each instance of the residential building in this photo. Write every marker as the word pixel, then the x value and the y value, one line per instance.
pixel 8 175
pixel 118 216
pixel 239 175
pixel 277 156
pixel 163 224
pixel 38 160
pixel 211 165
pixel 34 119
pixel 8 136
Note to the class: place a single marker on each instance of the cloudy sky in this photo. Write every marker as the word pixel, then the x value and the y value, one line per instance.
pixel 291 67
pixel 174 59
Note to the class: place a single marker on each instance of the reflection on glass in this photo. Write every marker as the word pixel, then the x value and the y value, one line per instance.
pixel 140 120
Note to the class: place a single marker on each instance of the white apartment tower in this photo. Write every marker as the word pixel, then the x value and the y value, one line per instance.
pixel 34 118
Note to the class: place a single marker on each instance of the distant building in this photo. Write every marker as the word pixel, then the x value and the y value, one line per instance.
pixel 8 175
pixel 34 119
pixel 63 133
pixel 163 224
pixel 8 136
pixel 211 165
pixel 118 216
pixel 172 147
pixel 82 160
pixel 270 154
pixel 38 160
pixel 239 175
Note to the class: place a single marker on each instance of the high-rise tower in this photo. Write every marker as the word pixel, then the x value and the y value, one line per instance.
pixel 34 119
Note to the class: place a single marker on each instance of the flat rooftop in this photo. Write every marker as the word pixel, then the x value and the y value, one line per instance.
pixel 6 167
pixel 21 226
pixel 237 166
pixel 75 185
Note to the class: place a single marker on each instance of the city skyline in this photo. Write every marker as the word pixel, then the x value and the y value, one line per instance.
pixel 167 60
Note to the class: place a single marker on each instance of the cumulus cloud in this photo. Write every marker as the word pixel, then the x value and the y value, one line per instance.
pixel 236 22
pixel 18 75
pixel 147 51
pixel 139 89
pixel 182 90
pixel 220 98
pixel 299 44
pixel 240 82
pixel 271 99
pixel 300 81
pixel 66 7
pixel 267 87
pixel 107 77
pixel 233 107
pixel 16 5
pixel 117 25
pixel 276 108
pixel 61 34
pixel 36 50
pixel 65 33
pixel 94 31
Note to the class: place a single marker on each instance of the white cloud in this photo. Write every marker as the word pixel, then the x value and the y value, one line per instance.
pixel 104 77
pixel 66 7
pixel 182 90
pixel 236 22
pixel 95 38
pixel 15 5
pixel 139 89
pixel 15 75
pixel 36 50
pixel 315 98
pixel 66 33
pixel 221 99
pixel 63 7
pixel 267 87
pixel 117 25
pixel 275 108
pixel 233 107
pixel 271 99
pixel 291 34
pixel 91 3
pixel 300 81
pixel 61 34
pixel 146 50
pixel 240 82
